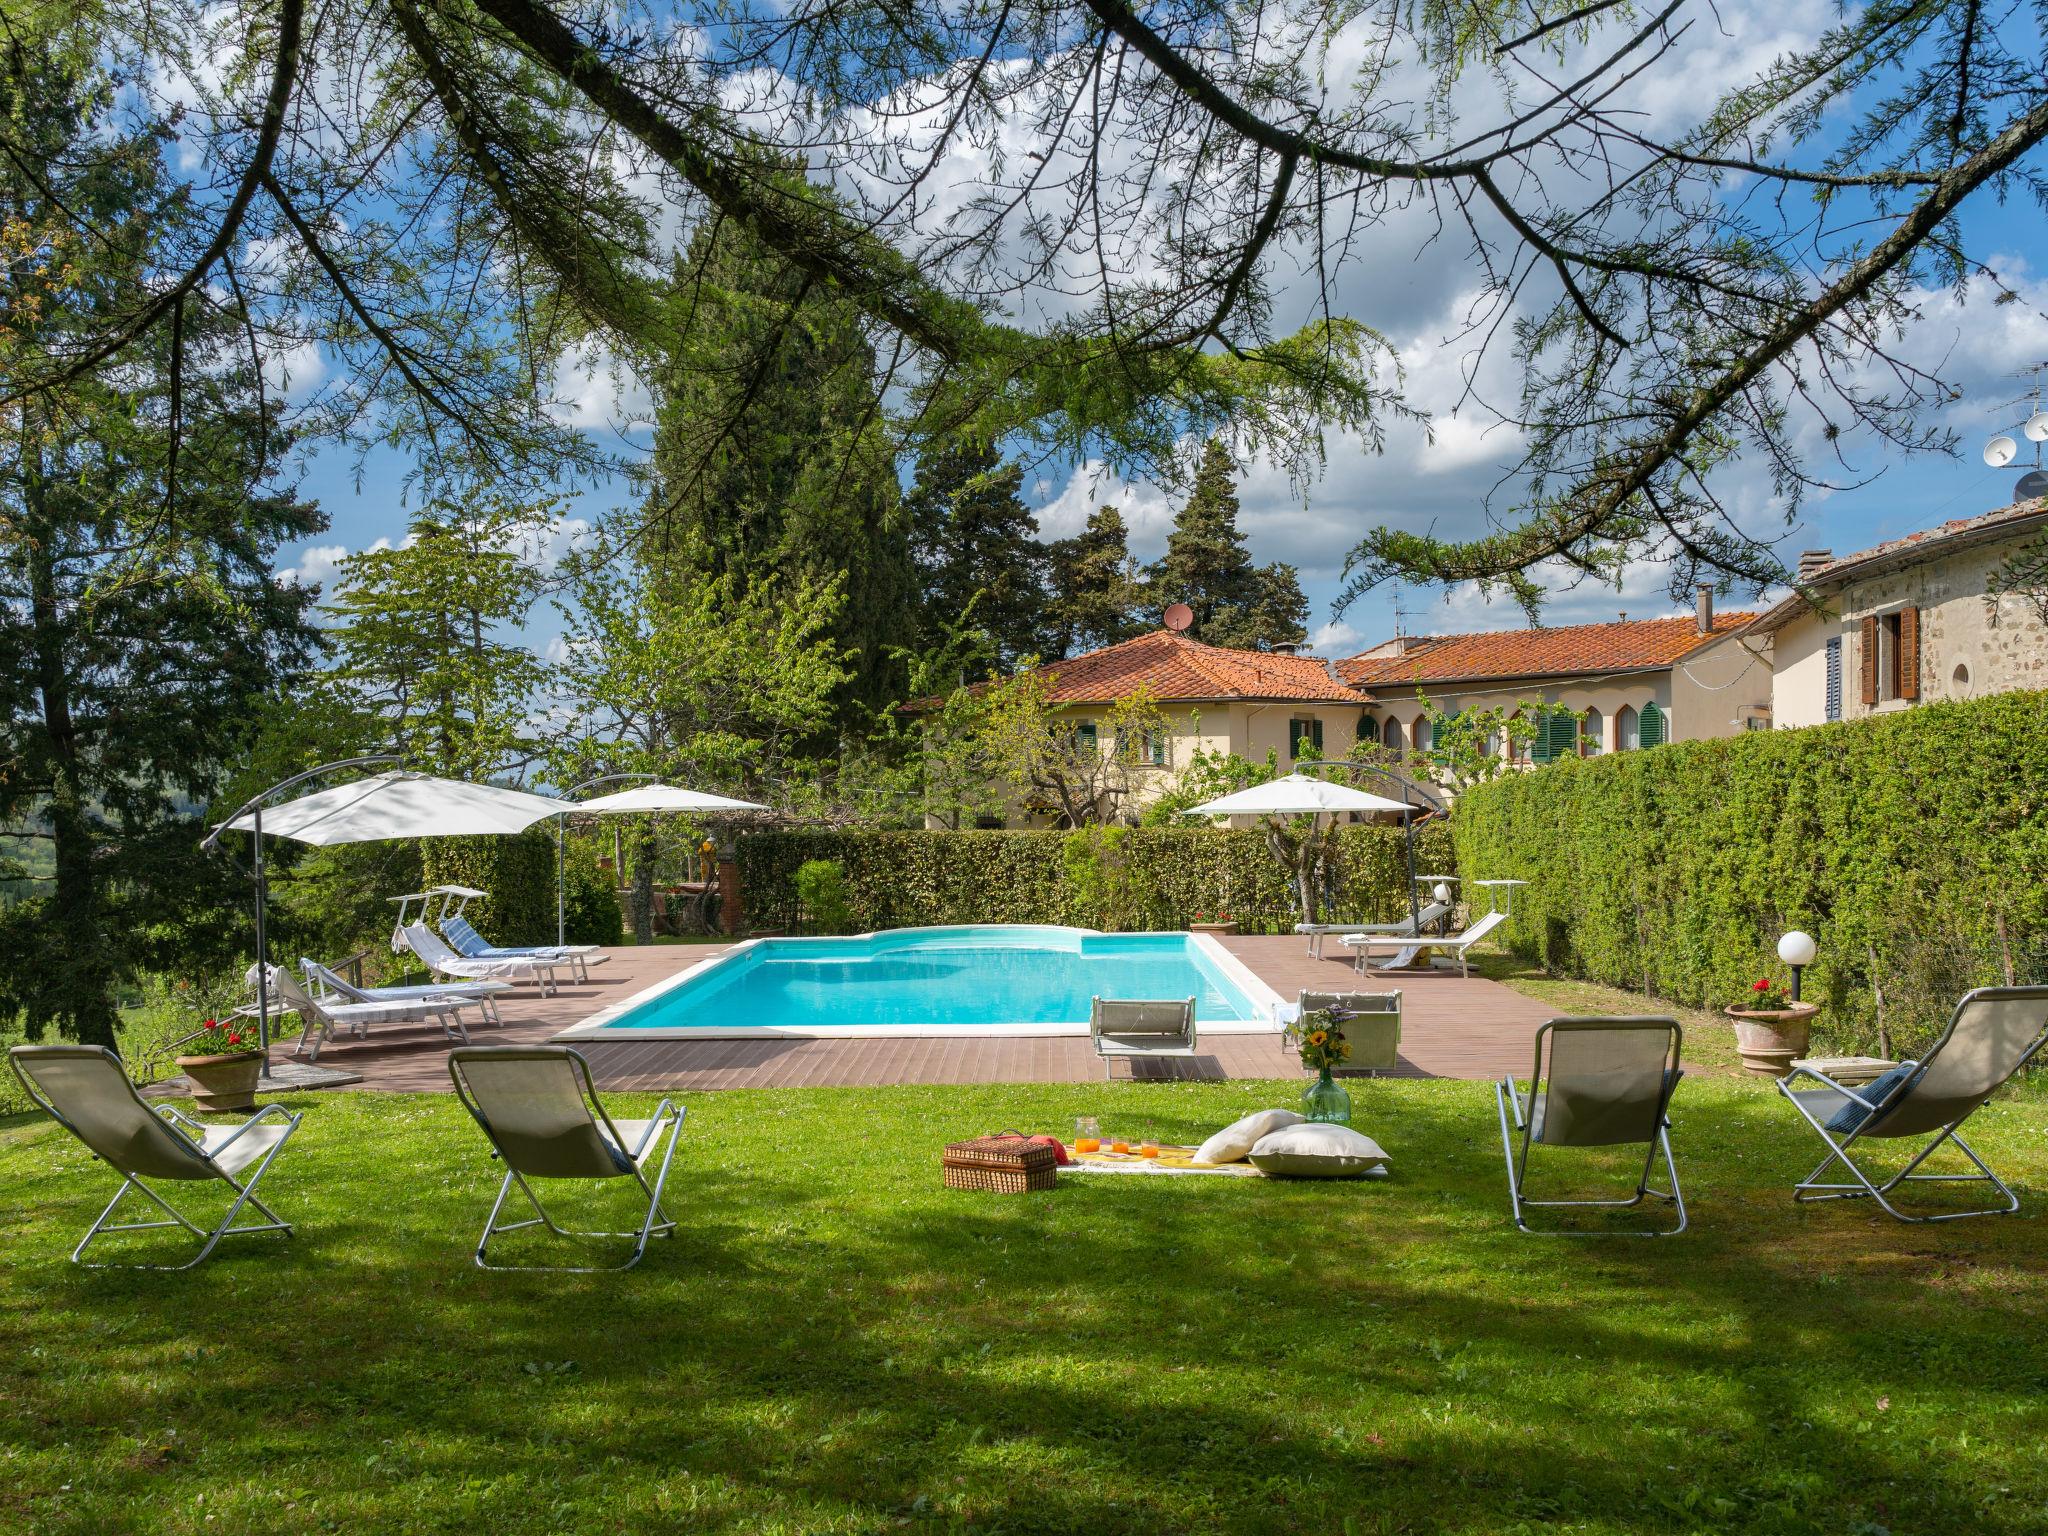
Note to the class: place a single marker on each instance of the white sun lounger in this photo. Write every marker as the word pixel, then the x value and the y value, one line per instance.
pixel 1402 950
pixel 85 1089
pixel 323 1020
pixel 443 961
pixel 323 983
pixel 1434 913
pixel 471 945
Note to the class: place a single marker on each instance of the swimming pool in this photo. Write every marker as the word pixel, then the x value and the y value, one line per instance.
pixel 938 981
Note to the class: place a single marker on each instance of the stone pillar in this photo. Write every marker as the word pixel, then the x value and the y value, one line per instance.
pixel 729 915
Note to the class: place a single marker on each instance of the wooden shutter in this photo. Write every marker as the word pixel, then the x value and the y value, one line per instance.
pixel 1315 735
pixel 1866 663
pixel 1650 726
pixel 1909 653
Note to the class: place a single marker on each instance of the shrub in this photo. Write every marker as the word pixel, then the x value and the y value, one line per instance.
pixel 1142 877
pixel 592 899
pixel 821 891
pixel 1912 845
pixel 516 874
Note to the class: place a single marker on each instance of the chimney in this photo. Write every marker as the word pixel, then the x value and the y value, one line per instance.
pixel 1624 617
pixel 1282 648
pixel 1811 560
pixel 1703 608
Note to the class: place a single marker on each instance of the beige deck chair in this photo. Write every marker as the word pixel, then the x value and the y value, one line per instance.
pixel 1993 1032
pixel 1134 1030
pixel 1595 1083
pixel 542 1114
pixel 85 1089
pixel 1372 1024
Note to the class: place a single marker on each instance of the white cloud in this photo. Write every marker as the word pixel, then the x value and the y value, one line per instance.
pixel 596 392
pixel 316 566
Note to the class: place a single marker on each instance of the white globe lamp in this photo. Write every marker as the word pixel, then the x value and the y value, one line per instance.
pixel 1797 950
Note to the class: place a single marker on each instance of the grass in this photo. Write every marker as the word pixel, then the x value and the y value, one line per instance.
pixel 835 1343
pixel 1709 1040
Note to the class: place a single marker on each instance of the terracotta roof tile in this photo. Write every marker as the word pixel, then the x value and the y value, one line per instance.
pixel 1179 670
pixel 1572 650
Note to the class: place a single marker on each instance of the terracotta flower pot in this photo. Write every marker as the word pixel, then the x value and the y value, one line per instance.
pixel 223 1083
pixel 1770 1038
pixel 1216 928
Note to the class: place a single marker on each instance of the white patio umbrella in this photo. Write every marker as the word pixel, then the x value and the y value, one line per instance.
pixel 381 808
pixel 655 798
pixel 1299 795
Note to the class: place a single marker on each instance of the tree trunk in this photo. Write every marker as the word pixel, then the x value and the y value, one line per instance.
pixel 643 890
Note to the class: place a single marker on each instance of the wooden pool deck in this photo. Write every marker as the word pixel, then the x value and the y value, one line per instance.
pixel 1451 1028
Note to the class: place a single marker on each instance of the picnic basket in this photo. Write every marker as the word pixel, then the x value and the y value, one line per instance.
pixel 1008 1163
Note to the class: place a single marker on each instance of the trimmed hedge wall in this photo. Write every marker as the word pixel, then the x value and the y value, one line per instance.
pixel 1162 877
pixel 516 873
pixel 1913 846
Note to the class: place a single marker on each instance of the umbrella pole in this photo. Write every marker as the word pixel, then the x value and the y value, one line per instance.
pixel 561 880
pixel 1414 896
pixel 262 952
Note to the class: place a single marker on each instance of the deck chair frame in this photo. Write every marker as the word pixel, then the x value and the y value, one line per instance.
pixel 131 1183
pixel 668 1116
pixel 1413 947
pixel 1508 1096
pixel 1112 1045
pixel 1811 1189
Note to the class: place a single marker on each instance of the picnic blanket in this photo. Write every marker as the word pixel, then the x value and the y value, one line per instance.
pixel 1170 1160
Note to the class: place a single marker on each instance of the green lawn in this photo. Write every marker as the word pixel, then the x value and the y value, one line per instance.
pixel 836 1343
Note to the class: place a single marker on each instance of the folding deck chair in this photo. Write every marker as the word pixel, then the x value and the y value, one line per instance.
pixel 1595 1083
pixel 1993 1032
pixel 332 988
pixel 1136 1029
pixel 471 945
pixel 85 1089
pixel 543 1117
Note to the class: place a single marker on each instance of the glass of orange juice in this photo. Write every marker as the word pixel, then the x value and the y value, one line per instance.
pixel 1148 1148
pixel 1087 1135
pixel 1119 1146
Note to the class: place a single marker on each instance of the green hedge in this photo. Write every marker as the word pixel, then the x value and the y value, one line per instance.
pixel 1913 846
pixel 518 873
pixel 1163 876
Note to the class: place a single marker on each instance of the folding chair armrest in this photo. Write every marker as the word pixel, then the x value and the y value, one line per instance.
pixel 265 1113
pixel 1826 1082
pixel 170 1112
pixel 666 1110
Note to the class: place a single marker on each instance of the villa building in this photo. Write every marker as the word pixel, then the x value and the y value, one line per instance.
pixel 1635 682
pixel 1909 621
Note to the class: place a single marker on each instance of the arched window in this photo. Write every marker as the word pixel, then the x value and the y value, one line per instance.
pixel 1390 738
pixel 1626 737
pixel 1654 728
pixel 1590 743
pixel 1368 728
pixel 1419 734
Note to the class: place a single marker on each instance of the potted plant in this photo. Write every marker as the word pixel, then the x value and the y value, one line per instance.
pixel 1222 922
pixel 1771 1030
pixel 225 1077
pixel 1318 1035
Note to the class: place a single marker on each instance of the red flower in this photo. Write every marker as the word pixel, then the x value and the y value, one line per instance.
pixel 213 1023
pixel 1762 985
pixel 234 1039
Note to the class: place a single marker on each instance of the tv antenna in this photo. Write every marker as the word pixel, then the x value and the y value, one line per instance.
pixel 2005 447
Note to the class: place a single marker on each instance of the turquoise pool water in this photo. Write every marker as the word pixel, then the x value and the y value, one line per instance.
pixel 922 977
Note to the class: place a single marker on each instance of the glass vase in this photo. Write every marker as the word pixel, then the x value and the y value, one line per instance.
pixel 1326 1102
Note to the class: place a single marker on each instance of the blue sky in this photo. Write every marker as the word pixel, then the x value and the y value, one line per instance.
pixel 1443 486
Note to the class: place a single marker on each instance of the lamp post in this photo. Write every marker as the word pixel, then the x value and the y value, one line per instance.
pixel 1797 950
pixel 562 847
pixel 253 807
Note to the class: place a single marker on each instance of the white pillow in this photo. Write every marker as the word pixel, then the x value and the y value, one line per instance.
pixel 1230 1144
pixel 1317 1152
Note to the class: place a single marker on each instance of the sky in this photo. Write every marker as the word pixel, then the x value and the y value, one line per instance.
pixel 1437 479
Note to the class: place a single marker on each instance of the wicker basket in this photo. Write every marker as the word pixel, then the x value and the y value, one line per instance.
pixel 1008 1164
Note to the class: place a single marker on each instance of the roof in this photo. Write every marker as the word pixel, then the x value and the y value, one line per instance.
pixel 1179 670
pixel 1628 645
pixel 1927 544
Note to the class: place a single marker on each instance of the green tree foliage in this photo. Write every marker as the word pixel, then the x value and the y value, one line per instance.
pixel 974 542
pixel 141 622
pixel 1208 776
pixel 426 635
pixel 1912 845
pixel 1207 566
pixel 1078 773
pixel 1472 746
pixel 773 462
pixel 1098 594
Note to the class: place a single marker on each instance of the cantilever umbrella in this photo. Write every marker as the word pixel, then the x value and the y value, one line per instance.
pixel 1299 795
pixel 641 797
pixel 381 808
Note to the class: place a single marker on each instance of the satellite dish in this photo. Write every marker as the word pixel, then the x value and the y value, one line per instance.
pixel 2037 427
pixel 1180 618
pixel 2033 485
pixel 2000 451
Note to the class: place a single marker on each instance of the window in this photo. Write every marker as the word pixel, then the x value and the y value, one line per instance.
pixel 1368 728
pixel 1590 742
pixel 1305 738
pixel 1390 738
pixel 1834 686
pixel 1652 726
pixel 1085 743
pixel 1152 747
pixel 1891 656
pixel 1627 736
pixel 1420 734
pixel 1557 735
pixel 1959 680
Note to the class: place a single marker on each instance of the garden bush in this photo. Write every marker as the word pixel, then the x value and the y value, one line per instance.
pixel 1111 878
pixel 1914 846
pixel 517 875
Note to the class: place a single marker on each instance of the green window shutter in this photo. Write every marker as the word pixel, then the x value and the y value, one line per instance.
pixel 1542 746
pixel 1084 738
pixel 1315 732
pixel 1651 730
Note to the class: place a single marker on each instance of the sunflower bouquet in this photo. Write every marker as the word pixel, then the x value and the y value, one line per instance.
pixel 1319 1036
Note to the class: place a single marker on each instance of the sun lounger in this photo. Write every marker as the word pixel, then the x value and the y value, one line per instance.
pixel 1427 918
pixel 327 985
pixel 443 961
pixel 471 945
pixel 85 1089
pixel 1402 952
pixel 1993 1032
pixel 542 1115
pixel 1595 1083
pixel 323 1020
pixel 1131 1029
